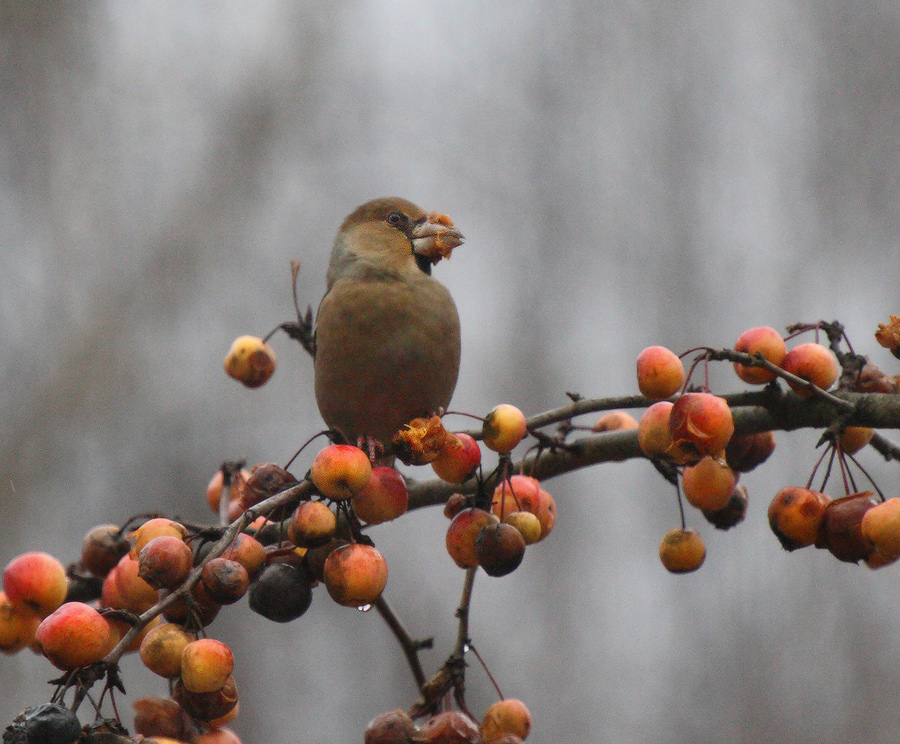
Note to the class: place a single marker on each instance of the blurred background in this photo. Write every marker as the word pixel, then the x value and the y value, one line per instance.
pixel 626 174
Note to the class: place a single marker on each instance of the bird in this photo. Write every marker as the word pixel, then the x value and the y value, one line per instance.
pixel 387 333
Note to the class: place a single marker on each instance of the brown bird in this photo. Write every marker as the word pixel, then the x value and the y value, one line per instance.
pixel 387 333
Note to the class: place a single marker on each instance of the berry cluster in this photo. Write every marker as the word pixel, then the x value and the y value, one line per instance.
pixel 693 438
pixel 154 585
pixel 507 721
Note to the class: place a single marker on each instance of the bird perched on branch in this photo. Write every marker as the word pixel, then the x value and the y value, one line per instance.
pixel 387 333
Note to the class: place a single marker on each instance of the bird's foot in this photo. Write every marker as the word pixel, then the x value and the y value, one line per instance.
pixel 372 447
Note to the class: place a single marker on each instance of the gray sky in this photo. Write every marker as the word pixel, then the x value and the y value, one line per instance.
pixel 625 174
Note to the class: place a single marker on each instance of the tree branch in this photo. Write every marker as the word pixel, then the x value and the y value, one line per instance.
pixel 409 645
pixel 771 409
pixel 452 674
pixel 261 509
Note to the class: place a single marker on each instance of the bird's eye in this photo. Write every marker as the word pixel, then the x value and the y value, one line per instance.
pixel 396 219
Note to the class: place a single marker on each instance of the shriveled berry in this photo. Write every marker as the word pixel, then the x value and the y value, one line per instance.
pixel 165 562
pixel 225 580
pixel 449 727
pixel 499 549
pixel 48 723
pixel 265 480
pixel 282 593
pixel 732 513
pixel 841 531
pixel 156 716
pixel 102 548
pixel 207 706
pixel 795 516
pixel 393 727
pixel 745 451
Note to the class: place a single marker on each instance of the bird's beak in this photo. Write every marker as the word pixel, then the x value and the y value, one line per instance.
pixel 435 238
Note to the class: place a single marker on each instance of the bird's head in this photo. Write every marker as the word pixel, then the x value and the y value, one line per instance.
pixel 391 236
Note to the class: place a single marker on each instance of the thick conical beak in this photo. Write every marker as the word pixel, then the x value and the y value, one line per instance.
pixel 435 238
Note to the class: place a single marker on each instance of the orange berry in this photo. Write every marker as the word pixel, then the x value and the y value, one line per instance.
pixel 250 360
pixel 216 485
pixel 206 664
pixel 74 636
pixel 766 342
pixel 457 464
pixel 162 647
pixel 504 427
pixel 811 362
pixel 881 527
pixel 355 574
pixel 383 498
pixel 795 516
pixel 312 523
pixel 700 424
pixel 18 624
pixel 37 580
pixel 660 372
pixel 124 589
pixel 509 716
pixel 682 551
pixel 708 484
pixel 340 471
pixel 156 527
pixel 615 421
pixel 654 437
pixel 854 438
pixel 248 551
pixel 463 531
pixel 165 562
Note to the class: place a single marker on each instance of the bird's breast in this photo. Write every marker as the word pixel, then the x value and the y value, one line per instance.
pixel 386 352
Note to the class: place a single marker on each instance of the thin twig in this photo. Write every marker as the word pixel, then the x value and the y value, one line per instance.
pixel 451 675
pixel 462 613
pixel 752 412
pixel 410 646
pixel 457 663
pixel 764 397
pixel 487 671
pixel 261 509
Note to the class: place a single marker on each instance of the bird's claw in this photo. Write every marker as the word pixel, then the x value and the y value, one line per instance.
pixel 372 447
